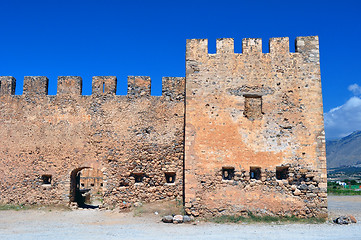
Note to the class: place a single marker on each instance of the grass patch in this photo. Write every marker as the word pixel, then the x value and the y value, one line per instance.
pixel 138 210
pixel 343 192
pixel 264 219
pixel 6 207
pixel 166 207
pixel 349 190
pixel 22 207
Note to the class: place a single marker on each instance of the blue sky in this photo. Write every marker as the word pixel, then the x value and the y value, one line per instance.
pixel 120 38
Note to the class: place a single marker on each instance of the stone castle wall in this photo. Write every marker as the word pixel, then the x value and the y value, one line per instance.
pixel 257 117
pixel 249 126
pixel 43 135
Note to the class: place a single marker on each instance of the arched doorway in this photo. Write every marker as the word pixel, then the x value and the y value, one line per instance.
pixel 86 187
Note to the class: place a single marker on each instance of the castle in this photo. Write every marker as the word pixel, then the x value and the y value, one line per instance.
pixel 242 132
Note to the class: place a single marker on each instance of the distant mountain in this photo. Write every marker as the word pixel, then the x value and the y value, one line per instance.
pixel 344 152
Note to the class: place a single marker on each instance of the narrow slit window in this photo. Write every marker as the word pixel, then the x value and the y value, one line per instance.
pixel 255 173
pixel 281 173
pixel 170 177
pixel 227 173
pixel 103 87
pixel 46 178
pixel 253 107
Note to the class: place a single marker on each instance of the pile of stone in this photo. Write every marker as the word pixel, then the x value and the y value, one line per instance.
pixel 344 220
pixel 177 219
pixel 73 206
pixel 124 205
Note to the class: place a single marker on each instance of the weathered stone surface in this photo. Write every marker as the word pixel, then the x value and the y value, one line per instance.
pixel 178 219
pixel 186 218
pixel 118 136
pixel 297 192
pixel 167 219
pixel 352 218
pixel 254 110
pixel 344 220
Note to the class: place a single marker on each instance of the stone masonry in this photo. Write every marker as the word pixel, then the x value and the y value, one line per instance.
pixel 120 135
pixel 242 132
pixel 254 132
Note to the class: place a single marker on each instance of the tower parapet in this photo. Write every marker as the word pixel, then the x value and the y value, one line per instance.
pixel 278 46
pixel 7 85
pixel 309 48
pixel 225 45
pixel 251 45
pixel 196 48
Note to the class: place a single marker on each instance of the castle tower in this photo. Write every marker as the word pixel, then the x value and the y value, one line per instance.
pixel 254 132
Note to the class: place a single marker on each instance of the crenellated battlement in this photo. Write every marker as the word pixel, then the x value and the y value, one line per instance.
pixel 251 46
pixel 225 45
pixel 307 46
pixel 69 85
pixel 104 85
pixel 138 86
pixel 7 85
pixel 173 88
pixel 279 45
pixel 35 85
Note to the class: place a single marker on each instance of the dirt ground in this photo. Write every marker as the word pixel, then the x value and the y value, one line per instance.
pixel 95 224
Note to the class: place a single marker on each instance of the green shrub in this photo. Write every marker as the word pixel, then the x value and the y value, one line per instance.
pixel 264 219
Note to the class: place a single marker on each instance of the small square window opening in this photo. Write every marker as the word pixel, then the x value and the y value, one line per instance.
pixel 281 173
pixel 138 177
pixel 255 173
pixel 46 178
pixel 170 177
pixel 227 173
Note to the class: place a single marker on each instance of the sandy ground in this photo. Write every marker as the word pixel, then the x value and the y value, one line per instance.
pixel 95 224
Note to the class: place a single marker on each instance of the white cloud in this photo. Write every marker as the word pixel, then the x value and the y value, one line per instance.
pixel 343 120
pixel 355 89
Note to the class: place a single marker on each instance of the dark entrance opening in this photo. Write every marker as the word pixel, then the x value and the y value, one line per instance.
pixel 86 187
